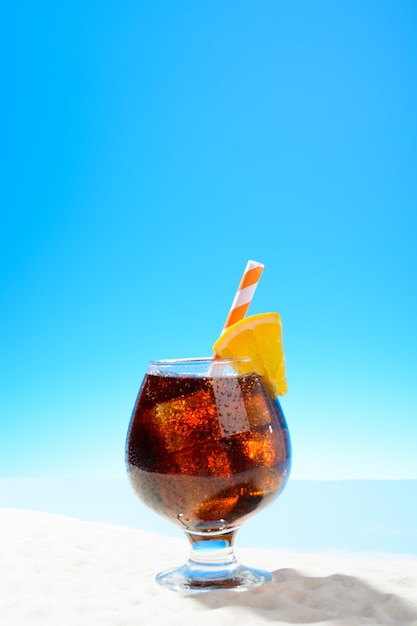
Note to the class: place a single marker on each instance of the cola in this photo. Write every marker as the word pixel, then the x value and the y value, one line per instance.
pixel 207 451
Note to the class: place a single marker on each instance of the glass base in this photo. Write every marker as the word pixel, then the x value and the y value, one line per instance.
pixel 212 566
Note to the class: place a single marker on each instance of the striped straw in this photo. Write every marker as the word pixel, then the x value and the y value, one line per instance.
pixel 244 293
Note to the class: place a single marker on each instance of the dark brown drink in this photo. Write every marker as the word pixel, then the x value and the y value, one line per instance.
pixel 207 452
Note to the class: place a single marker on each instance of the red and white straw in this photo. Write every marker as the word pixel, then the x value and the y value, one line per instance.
pixel 244 293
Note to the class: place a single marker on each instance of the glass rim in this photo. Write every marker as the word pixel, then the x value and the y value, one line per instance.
pixel 199 366
pixel 201 359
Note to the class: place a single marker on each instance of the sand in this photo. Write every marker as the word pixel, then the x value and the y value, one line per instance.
pixel 59 571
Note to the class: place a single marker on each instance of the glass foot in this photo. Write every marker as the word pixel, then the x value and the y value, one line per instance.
pixel 212 566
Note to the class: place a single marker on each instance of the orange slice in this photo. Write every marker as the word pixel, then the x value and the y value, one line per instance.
pixel 258 337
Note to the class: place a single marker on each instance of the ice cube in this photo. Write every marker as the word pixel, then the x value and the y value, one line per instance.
pixel 231 410
pixel 186 421
pixel 204 459
pixel 259 405
pixel 262 449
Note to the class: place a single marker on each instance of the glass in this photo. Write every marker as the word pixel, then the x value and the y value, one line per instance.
pixel 207 447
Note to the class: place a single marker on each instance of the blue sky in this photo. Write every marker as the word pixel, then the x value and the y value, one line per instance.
pixel 149 149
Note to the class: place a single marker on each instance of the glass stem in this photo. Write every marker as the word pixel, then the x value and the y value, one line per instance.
pixel 212 565
pixel 212 557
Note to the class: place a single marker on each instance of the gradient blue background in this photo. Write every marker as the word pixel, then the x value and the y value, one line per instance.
pixel 149 149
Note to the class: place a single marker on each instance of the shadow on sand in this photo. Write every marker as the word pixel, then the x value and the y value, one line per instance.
pixel 294 598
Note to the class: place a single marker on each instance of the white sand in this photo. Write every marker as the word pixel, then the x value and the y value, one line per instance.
pixel 60 571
